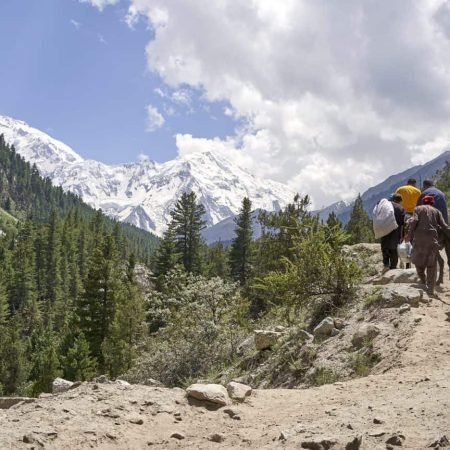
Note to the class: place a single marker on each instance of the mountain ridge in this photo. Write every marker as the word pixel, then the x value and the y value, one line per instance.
pixel 143 193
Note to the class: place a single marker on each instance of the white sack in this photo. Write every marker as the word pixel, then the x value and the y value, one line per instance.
pixel 383 218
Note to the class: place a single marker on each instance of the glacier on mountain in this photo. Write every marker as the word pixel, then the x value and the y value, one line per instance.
pixel 144 192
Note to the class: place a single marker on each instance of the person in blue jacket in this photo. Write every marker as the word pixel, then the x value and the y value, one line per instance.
pixel 440 202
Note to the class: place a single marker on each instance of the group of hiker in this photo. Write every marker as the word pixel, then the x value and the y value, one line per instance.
pixel 420 218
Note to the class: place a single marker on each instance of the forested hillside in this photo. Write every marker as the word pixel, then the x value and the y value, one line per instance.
pixel 69 301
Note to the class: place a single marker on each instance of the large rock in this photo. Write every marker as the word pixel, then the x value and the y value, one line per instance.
pixel 214 393
pixel 364 334
pixel 265 339
pixel 398 276
pixel 394 296
pixel 238 391
pixel 61 385
pixel 325 328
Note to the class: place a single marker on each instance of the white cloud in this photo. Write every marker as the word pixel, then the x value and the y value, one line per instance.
pixel 334 96
pixel 100 4
pixel 155 119
pixel 76 24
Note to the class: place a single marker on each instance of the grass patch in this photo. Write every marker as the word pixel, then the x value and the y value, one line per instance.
pixel 324 376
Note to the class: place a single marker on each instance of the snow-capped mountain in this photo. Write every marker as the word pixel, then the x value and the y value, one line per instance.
pixel 143 193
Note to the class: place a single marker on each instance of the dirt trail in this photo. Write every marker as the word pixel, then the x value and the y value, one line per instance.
pixel 412 400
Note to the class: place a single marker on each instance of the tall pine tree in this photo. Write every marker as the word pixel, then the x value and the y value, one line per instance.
pixel 359 226
pixel 187 221
pixel 241 252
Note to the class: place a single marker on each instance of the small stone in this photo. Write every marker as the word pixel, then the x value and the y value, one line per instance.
pixel 325 327
pixel 404 308
pixel 440 442
pixel 377 433
pixel 60 385
pixel 280 329
pixel 179 436
pixel 417 319
pixel 153 382
pixel 354 444
pixel 122 382
pixel 137 421
pixel 231 412
pixel 339 324
pixel 216 437
pixel 396 439
pixel 111 436
pixel 284 436
pixel 365 333
pixel 238 391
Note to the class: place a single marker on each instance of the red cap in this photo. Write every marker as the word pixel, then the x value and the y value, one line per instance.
pixel 428 200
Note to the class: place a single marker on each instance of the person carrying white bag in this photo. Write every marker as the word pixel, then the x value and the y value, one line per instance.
pixel 388 221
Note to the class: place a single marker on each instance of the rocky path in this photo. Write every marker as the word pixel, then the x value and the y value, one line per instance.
pixel 405 407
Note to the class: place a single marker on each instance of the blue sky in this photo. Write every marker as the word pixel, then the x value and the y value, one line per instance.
pixel 81 75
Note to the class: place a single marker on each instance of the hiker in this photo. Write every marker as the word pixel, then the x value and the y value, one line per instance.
pixel 410 194
pixel 424 231
pixel 390 241
pixel 440 202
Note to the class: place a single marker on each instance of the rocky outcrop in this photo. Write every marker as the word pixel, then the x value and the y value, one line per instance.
pixel 265 339
pixel 397 276
pixel 394 296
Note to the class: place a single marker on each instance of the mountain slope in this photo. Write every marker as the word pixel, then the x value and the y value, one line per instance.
pixel 144 193
pixel 387 187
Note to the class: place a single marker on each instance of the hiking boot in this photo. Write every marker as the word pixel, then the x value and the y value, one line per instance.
pixel 422 280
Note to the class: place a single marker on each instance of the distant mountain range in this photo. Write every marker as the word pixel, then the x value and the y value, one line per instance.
pixel 224 230
pixel 143 193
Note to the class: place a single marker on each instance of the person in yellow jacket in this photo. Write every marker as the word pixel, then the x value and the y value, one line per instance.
pixel 410 194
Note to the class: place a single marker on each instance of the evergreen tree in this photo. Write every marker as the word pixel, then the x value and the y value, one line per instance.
pixel 359 226
pixel 167 256
pixel 241 247
pixel 79 365
pixel 187 222
pixel 217 264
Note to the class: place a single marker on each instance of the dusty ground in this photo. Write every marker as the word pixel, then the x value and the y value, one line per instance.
pixel 411 398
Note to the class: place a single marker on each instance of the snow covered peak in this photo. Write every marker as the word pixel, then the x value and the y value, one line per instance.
pixel 36 146
pixel 143 193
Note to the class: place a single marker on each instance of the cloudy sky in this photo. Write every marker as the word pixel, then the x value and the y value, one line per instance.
pixel 329 97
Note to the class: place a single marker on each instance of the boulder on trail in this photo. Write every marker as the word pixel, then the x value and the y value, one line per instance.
pixel 238 391
pixel 365 333
pixel 396 276
pixel 213 393
pixel 325 328
pixel 265 339
pixel 245 345
pixel 394 296
pixel 61 385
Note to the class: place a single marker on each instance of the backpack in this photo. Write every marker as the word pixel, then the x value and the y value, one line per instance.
pixel 383 218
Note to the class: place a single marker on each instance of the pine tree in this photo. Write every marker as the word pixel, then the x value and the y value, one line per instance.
pixel 241 247
pixel 79 365
pixel 187 220
pixel 217 263
pixel 103 285
pixel 167 256
pixel 359 226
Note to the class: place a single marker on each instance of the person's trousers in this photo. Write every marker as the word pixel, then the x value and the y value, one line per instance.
pixel 390 257
pixel 427 274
